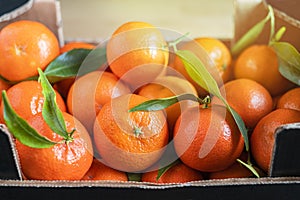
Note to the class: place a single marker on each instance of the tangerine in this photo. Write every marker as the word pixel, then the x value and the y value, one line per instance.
pixel 236 170
pixel 27 99
pixel 218 60
pixel 90 92
pixel 66 160
pixel 290 99
pixel 263 136
pixel 99 171
pixel 26 46
pixel 178 173
pixel 3 86
pixel 168 86
pixel 76 45
pixel 129 141
pixel 260 63
pixel 139 46
pixel 207 139
pixel 248 98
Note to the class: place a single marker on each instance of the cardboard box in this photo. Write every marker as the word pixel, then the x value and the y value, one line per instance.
pixel 284 182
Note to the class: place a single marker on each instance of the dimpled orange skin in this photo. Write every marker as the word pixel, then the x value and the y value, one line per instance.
pixel 214 126
pixel 63 161
pixel 179 173
pixel 236 170
pixel 99 171
pixel 291 99
pixel 27 99
pixel 90 92
pixel 260 63
pixel 218 55
pixel 263 136
pixel 3 86
pixel 248 98
pixel 134 44
pixel 76 45
pixel 129 141
pixel 26 46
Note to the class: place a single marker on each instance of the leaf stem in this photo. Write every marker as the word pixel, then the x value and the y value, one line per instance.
pixel 249 166
pixel 272 23
pixel 178 40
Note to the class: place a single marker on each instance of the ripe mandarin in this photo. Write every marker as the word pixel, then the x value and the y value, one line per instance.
pixel 263 136
pixel 248 98
pixel 139 46
pixel 290 99
pixel 178 173
pixel 260 63
pixel 213 53
pixel 99 171
pixel 129 141
pixel 207 139
pixel 66 160
pixel 90 92
pixel 27 99
pixel 26 46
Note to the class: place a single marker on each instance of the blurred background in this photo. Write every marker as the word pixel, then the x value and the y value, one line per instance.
pixel 97 19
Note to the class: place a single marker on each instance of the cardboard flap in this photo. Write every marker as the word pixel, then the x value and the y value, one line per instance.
pixel 44 11
pixel 249 12
pixel 286 160
pixel 12 9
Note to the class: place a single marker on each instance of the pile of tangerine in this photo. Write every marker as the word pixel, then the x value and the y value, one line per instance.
pixel 189 141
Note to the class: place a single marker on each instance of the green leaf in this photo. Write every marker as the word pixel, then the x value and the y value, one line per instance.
pixel 251 35
pixel 249 166
pixel 21 129
pixel 162 103
pixel 51 113
pixel 200 74
pixel 134 176
pixel 289 61
pixel 69 63
pixel 163 170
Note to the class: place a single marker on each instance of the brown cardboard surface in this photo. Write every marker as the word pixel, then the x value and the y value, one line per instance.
pixel 249 12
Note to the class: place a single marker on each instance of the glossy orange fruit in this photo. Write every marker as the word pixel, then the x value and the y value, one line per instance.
pixel 248 98
pixel 168 86
pixel 216 51
pixel 129 141
pixel 3 86
pixel 27 99
pixel 263 137
pixel 99 171
pixel 219 54
pixel 63 161
pixel 139 46
pixel 90 92
pixel 76 45
pixel 179 173
pixel 26 46
pixel 260 63
pixel 236 170
pixel 290 99
pixel 207 139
